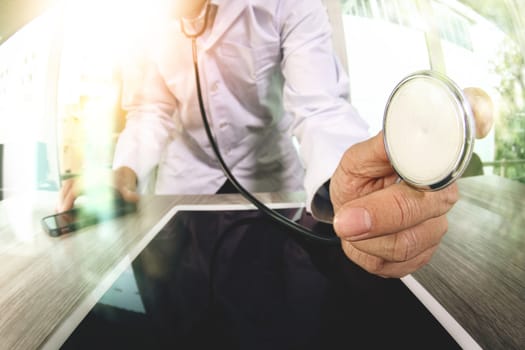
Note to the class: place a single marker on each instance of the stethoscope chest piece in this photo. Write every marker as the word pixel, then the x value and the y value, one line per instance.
pixel 428 130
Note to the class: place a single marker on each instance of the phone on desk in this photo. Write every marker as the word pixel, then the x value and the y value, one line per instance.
pixel 90 212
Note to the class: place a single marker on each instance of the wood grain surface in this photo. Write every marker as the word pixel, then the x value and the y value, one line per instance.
pixel 44 280
pixel 478 273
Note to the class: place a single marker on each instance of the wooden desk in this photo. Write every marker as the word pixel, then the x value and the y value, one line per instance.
pixel 478 273
pixel 47 285
pixel 475 284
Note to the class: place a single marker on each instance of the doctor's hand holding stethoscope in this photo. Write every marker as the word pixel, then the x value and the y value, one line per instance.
pixel 386 226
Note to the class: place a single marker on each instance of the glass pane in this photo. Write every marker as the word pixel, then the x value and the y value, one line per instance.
pixel 88 88
pixel 89 82
pixel 27 132
pixel 382 47
pixel 487 51
pixel 59 91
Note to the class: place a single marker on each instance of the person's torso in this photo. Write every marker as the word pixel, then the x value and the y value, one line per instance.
pixel 239 60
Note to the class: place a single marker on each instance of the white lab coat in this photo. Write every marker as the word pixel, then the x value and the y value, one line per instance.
pixel 268 71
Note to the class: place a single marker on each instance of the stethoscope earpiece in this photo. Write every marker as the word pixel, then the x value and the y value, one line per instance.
pixel 428 130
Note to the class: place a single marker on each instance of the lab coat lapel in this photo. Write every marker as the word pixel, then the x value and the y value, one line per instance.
pixel 227 13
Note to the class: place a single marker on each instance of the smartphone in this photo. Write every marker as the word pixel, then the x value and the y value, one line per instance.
pixel 86 215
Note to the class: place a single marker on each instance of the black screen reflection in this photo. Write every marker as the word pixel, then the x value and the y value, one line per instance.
pixel 237 280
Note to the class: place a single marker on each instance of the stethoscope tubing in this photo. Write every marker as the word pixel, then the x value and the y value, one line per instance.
pixel 305 232
pixel 261 206
pixel 467 121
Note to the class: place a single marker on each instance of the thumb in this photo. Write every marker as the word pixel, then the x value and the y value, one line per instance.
pixel 391 210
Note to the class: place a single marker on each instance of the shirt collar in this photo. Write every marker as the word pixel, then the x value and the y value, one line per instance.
pixel 227 12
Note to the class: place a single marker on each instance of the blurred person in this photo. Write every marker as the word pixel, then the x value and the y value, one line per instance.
pixel 269 73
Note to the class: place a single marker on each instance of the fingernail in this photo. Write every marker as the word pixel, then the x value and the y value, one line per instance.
pixel 353 223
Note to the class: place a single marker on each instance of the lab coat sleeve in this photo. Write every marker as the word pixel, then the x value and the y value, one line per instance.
pixel 316 94
pixel 149 124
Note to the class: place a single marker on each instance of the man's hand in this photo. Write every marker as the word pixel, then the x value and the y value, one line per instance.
pixel 123 179
pixel 389 229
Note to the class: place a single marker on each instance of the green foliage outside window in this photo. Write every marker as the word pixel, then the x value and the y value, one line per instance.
pixel 510 67
pixel 510 125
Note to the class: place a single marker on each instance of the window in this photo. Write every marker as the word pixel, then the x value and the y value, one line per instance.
pixel 389 11
pixel 453 27
pixel 27 133
pixel 389 41
pixel 380 53
pixel 359 8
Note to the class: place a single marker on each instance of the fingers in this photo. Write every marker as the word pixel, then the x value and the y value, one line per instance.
pixel 125 181
pixel 388 228
pixel 67 195
pixel 364 168
pixel 394 231
pixel 367 159
pixel 129 195
pixel 398 254
pixel 392 209
pixel 407 244
pixel 385 268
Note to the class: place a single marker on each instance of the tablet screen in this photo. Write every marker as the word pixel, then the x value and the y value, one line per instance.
pixel 235 279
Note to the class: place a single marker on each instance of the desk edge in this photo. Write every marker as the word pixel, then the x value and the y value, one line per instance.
pixel 460 335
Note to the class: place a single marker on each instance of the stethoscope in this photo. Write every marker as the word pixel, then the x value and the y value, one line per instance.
pixel 428 103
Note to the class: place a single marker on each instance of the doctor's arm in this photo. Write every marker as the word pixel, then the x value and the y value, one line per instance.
pixel 315 94
pixel 388 228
